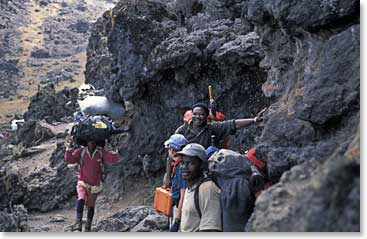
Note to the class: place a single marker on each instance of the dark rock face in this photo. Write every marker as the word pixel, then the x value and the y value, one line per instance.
pixel 14 220
pixel 326 195
pixel 312 60
pixel 130 34
pixel 134 219
pixel 40 53
pixel 143 57
pixel 51 105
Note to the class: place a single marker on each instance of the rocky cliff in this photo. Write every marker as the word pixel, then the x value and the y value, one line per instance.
pixel 300 58
pixel 312 59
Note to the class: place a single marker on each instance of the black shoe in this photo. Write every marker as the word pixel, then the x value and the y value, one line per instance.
pixel 77 226
pixel 88 227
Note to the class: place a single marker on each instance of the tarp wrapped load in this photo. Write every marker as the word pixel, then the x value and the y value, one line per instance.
pixel 100 105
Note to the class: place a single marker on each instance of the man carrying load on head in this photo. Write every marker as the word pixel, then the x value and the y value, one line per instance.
pixel 91 161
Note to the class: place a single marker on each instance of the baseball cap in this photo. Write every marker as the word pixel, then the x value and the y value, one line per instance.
pixel 210 150
pixel 193 150
pixel 176 141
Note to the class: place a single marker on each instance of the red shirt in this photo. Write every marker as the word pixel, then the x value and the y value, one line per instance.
pixel 90 172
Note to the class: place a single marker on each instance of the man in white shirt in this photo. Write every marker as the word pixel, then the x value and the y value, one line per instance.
pixel 208 216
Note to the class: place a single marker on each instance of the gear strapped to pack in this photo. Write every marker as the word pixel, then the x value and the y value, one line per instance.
pixel 100 160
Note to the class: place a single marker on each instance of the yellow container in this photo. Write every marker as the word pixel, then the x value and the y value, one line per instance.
pixel 163 201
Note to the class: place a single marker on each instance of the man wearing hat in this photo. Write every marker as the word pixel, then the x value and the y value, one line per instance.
pixel 173 174
pixel 200 131
pixel 193 164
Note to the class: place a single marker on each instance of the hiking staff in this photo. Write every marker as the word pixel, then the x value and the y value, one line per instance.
pixel 211 104
pixel 113 19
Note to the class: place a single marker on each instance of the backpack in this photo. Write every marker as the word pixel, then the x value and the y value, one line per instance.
pixel 92 128
pixel 219 116
pixel 231 171
pixel 100 160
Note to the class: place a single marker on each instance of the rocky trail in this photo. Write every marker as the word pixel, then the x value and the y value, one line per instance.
pixel 59 220
pixel 39 170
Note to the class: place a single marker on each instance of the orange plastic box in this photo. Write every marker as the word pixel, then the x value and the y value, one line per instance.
pixel 163 201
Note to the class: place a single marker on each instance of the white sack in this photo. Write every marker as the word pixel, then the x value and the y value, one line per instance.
pixel 99 105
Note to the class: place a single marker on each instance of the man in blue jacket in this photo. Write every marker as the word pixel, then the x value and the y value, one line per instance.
pixel 174 144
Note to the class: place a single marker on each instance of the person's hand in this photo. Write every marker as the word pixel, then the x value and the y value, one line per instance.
pixel 110 147
pixel 260 116
pixel 69 142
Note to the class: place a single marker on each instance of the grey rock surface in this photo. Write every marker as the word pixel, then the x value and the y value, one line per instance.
pixel 133 219
pixel 54 106
pixel 14 219
pixel 40 182
pixel 312 62
pixel 326 195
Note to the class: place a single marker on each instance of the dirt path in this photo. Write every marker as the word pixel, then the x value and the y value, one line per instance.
pixel 58 220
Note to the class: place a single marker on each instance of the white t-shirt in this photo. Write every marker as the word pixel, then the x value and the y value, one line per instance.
pixel 209 201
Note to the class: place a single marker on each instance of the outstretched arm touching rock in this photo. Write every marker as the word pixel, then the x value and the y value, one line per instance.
pixel 242 123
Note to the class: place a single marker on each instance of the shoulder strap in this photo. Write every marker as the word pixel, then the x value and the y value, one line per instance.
pixel 196 194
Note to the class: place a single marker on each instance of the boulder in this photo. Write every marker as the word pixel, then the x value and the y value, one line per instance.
pixel 49 104
pixel 312 52
pixel 133 219
pixel 14 219
pixel 40 53
pixel 330 190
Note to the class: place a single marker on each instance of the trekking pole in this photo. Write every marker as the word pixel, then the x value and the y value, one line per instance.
pixel 211 103
pixel 113 19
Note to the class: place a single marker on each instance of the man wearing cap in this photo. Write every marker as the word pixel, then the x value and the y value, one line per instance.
pixel 193 163
pixel 200 131
pixel 174 144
